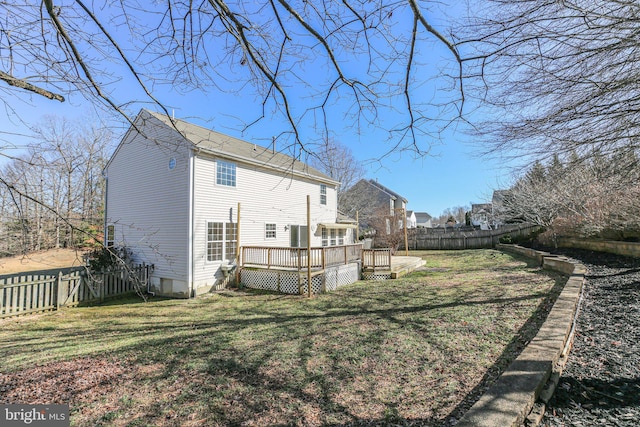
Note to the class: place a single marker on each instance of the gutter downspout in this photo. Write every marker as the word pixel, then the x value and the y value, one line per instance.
pixel 105 175
pixel 190 262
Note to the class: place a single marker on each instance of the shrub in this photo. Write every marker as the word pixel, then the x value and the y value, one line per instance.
pixel 107 258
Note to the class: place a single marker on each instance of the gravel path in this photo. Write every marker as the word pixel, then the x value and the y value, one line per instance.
pixel 600 384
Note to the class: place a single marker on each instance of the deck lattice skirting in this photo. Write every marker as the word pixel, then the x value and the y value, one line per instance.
pixel 294 282
pixel 376 275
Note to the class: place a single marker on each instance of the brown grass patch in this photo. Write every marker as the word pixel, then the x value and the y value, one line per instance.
pixel 42 260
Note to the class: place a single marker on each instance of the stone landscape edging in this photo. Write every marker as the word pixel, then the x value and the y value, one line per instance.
pixel 514 397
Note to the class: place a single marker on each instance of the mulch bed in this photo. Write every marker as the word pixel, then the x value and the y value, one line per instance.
pixel 600 384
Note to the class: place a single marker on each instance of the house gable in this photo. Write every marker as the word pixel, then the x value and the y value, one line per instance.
pixel 207 141
pixel 370 198
pixel 168 201
pixel 147 200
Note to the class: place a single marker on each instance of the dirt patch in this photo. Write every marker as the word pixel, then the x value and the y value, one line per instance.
pixel 44 260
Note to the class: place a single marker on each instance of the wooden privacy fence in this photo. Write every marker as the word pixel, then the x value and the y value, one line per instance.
pixel 42 291
pixel 425 239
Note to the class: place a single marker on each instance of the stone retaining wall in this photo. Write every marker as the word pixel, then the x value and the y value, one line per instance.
pixel 611 246
pixel 510 400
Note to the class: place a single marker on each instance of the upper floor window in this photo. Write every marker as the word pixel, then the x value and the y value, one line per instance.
pixel 323 194
pixel 225 173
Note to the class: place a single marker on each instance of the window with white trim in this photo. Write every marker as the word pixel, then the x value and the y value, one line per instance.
pixel 225 173
pixel 215 241
pixel 325 237
pixel 323 194
pixel 222 241
pixel 109 241
pixel 269 231
pixel 341 234
pixel 231 241
pixel 333 237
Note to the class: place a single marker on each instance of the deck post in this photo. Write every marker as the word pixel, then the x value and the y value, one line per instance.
pixel 238 251
pixel 308 246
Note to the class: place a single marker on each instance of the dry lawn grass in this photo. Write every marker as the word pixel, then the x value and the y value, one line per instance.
pixel 413 351
pixel 44 260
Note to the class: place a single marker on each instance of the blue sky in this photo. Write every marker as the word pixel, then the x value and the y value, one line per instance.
pixel 451 175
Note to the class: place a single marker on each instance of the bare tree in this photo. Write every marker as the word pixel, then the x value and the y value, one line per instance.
pixel 52 195
pixel 533 199
pixel 337 161
pixel 581 197
pixel 376 54
pixel 452 216
pixel 388 228
pixel 559 76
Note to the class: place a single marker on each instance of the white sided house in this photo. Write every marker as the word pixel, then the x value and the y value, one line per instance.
pixel 185 198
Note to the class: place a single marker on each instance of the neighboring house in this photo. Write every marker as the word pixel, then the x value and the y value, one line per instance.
pixel 412 221
pixel 500 211
pixel 481 215
pixel 423 220
pixel 184 198
pixel 367 198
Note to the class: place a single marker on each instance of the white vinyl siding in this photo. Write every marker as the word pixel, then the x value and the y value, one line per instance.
pixel 265 197
pixel 161 195
pixel 148 203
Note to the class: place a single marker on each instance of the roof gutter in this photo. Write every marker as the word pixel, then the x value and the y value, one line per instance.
pixel 265 165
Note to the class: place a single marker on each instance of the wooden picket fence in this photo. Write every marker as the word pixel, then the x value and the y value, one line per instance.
pixel 43 291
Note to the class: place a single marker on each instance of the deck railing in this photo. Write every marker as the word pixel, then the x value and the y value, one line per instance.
pixel 299 258
pixel 376 258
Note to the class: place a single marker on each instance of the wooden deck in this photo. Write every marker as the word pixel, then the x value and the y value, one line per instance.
pixel 401 265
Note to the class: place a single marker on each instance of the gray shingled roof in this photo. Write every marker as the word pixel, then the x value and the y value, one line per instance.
pixel 222 145
pixel 422 216
pixel 386 190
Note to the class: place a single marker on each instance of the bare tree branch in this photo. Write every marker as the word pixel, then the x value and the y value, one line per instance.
pixel 22 84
